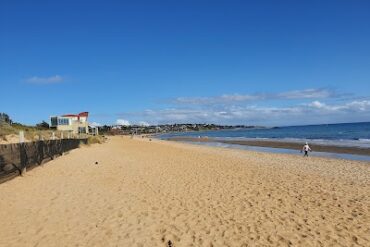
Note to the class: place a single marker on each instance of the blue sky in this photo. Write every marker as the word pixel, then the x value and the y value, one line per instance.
pixel 228 62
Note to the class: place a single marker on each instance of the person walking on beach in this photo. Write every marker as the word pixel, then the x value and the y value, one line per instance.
pixel 306 148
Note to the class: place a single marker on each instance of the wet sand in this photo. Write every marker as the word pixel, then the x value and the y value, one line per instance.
pixel 160 193
pixel 280 144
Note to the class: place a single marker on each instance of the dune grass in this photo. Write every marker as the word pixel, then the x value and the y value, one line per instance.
pixel 95 139
pixel 31 133
pixel 6 129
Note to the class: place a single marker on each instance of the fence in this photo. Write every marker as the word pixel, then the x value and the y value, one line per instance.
pixel 16 158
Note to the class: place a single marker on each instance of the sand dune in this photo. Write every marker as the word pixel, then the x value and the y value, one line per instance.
pixel 157 193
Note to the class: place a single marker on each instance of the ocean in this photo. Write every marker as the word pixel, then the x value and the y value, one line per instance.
pixel 347 134
pixel 343 134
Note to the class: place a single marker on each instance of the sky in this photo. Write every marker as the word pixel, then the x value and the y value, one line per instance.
pixel 270 63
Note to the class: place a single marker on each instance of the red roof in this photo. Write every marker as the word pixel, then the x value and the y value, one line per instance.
pixel 82 114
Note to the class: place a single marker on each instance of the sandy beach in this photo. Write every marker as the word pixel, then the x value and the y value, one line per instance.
pixel 161 193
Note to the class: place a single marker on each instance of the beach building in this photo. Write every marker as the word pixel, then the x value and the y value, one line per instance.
pixel 93 130
pixel 74 123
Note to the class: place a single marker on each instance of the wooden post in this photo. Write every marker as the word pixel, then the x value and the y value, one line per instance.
pixel 61 140
pixel 21 149
pixel 21 136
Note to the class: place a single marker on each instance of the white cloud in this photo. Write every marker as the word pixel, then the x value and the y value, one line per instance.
pixel 95 124
pixel 363 105
pixel 317 104
pixel 45 80
pixel 355 106
pixel 123 122
pixel 288 108
pixel 319 93
pixel 143 123
pixel 313 113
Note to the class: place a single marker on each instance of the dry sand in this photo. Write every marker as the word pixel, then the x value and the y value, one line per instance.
pixel 157 193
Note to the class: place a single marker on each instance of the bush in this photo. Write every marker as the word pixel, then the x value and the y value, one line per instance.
pixel 94 139
pixel 42 126
pixel 4 118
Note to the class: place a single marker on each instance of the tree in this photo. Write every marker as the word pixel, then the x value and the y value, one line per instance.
pixel 42 125
pixel 5 118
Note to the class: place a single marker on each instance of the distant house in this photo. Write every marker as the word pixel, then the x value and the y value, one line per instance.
pixel 74 123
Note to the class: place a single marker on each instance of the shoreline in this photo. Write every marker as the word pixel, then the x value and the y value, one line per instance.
pixel 278 144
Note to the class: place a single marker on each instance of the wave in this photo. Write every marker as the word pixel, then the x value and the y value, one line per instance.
pixel 283 150
pixel 350 135
pixel 362 143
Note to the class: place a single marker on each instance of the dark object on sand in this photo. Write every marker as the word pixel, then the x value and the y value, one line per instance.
pixel 96 162
pixel 170 243
pixel 150 140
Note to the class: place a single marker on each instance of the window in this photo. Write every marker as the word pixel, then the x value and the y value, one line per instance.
pixel 63 121
pixel 54 121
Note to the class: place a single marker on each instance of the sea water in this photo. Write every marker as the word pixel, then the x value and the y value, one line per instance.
pixel 343 134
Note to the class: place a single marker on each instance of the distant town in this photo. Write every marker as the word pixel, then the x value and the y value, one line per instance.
pixel 77 123
pixel 166 128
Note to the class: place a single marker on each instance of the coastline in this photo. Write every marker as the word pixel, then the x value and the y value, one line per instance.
pixel 278 144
